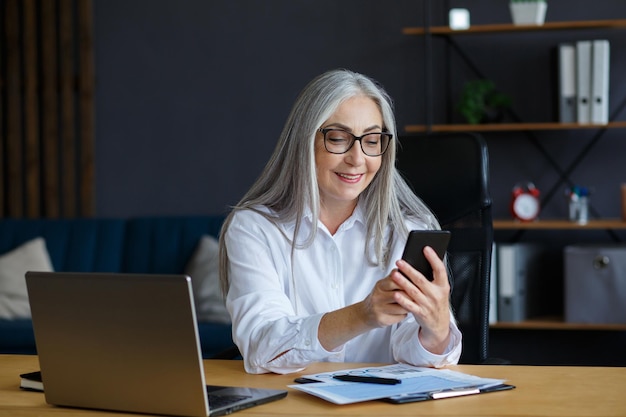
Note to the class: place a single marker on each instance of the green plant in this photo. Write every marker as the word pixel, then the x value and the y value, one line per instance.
pixel 480 102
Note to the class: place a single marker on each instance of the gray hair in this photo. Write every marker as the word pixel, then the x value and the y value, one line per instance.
pixel 288 184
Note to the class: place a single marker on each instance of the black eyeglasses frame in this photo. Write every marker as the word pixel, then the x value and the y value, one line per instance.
pixel 323 131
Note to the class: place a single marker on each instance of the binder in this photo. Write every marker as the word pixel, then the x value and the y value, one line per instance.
pixel 567 83
pixel 518 277
pixel 600 82
pixel 493 285
pixel 583 81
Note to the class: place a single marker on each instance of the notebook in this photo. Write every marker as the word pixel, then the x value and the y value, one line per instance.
pixel 126 342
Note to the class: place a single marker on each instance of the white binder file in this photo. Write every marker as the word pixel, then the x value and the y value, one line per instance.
pixel 493 285
pixel 583 81
pixel 600 82
pixel 567 83
pixel 519 274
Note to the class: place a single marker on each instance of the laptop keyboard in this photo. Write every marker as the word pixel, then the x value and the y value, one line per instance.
pixel 218 401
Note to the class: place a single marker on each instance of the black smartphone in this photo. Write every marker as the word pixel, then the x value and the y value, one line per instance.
pixel 414 248
pixel 303 380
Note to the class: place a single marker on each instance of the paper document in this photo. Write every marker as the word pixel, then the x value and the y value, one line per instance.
pixel 415 380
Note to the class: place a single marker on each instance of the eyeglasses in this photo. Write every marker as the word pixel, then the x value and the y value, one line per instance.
pixel 340 141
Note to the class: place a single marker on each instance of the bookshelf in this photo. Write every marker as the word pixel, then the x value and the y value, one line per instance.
pixel 610 225
pixel 555 225
pixel 446 32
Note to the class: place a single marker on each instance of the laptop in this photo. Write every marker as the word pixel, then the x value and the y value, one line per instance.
pixel 126 342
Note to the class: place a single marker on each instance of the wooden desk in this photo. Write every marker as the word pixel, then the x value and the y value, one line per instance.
pixel 541 391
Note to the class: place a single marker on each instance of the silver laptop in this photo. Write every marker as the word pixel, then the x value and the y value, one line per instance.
pixel 126 342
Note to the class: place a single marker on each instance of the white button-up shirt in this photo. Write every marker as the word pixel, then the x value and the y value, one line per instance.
pixel 277 300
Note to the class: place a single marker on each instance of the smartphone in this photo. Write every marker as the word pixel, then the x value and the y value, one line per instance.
pixel 303 380
pixel 414 248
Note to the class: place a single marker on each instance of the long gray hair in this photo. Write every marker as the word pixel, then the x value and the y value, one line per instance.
pixel 288 184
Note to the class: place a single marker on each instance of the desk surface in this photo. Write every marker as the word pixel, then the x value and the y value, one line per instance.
pixel 541 391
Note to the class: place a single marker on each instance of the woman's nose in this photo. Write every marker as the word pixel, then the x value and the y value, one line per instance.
pixel 355 154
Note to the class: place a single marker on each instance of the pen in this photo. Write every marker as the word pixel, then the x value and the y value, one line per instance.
pixel 367 379
pixel 454 392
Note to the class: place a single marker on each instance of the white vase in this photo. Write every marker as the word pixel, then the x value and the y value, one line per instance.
pixel 528 12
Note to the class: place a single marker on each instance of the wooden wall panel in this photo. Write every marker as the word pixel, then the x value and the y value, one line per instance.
pixel 50 110
pixel 3 182
pixel 13 145
pixel 67 111
pixel 46 108
pixel 86 93
pixel 32 138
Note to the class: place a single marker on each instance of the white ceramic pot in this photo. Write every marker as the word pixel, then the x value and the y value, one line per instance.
pixel 528 12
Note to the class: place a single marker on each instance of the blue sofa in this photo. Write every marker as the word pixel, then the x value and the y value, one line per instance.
pixel 135 245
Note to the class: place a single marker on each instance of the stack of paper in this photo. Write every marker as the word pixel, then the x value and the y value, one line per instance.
pixel 414 381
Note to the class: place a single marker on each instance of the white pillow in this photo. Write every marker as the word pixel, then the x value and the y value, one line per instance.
pixel 203 268
pixel 31 256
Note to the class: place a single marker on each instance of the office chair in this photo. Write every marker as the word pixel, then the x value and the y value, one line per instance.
pixel 450 173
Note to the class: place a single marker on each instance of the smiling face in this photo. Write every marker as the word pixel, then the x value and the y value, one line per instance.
pixel 343 177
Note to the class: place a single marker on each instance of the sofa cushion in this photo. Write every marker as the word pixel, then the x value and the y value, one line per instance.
pixel 203 268
pixel 30 256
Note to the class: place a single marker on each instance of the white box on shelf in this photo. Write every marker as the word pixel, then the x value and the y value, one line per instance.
pixel 528 12
pixel 459 19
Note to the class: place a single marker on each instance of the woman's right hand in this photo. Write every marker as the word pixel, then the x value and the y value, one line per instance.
pixel 380 307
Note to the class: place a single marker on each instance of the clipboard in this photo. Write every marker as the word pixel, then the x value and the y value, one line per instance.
pixel 411 398
pixel 414 384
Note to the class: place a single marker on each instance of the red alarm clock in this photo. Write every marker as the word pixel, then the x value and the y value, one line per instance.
pixel 525 204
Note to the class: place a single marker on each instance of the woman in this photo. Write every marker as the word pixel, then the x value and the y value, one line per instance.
pixel 310 257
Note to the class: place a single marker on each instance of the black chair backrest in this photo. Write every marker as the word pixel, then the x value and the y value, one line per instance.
pixel 450 173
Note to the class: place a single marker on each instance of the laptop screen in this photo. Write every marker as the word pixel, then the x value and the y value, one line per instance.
pixel 126 342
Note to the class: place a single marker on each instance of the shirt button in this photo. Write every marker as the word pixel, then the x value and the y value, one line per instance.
pixel 307 342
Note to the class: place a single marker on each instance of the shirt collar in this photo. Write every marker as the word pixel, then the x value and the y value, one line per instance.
pixel 358 215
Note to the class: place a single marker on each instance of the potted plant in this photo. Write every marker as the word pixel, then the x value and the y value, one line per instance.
pixel 481 103
pixel 528 12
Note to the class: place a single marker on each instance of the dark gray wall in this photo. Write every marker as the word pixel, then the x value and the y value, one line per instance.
pixel 192 94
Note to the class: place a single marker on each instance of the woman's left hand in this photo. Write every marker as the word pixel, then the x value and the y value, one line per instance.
pixel 428 301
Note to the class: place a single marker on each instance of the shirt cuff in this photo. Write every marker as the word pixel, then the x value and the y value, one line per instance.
pixel 307 349
pixel 449 357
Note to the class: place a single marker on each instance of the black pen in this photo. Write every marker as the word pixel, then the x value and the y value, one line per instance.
pixel 367 379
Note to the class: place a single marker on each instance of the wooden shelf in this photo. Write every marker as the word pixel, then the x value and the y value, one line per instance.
pixel 496 127
pixel 548 224
pixel 509 27
pixel 555 323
